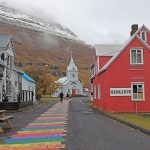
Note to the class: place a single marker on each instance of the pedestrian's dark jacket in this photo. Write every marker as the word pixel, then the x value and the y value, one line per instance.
pixel 61 95
pixel 67 95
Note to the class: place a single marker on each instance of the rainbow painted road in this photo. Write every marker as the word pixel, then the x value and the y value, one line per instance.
pixel 47 132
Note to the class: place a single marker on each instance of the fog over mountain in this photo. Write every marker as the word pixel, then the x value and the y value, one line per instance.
pixel 18 18
pixel 38 40
pixel 96 21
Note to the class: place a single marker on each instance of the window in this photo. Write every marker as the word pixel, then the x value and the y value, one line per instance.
pixel 73 83
pixel 8 87
pixel 94 92
pixel 136 56
pixel 137 91
pixel 9 61
pixel 2 56
pixel 143 35
pixel 99 92
pixel 92 71
pixel 16 83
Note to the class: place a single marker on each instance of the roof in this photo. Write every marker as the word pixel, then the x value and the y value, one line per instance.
pixel 106 50
pixel 86 89
pixel 123 47
pixel 145 28
pixel 17 70
pixel 72 65
pixel 62 80
pixel 26 77
pixel 67 81
pixel 4 40
pixel 92 65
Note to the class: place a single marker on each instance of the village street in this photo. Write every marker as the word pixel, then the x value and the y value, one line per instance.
pixel 74 75
pixel 86 128
pixel 90 130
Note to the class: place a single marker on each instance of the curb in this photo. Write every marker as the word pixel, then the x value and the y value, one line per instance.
pixel 123 121
pixel 127 123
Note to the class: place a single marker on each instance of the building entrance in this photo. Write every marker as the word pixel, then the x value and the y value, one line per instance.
pixel 74 92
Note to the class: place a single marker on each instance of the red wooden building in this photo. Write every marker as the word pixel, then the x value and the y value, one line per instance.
pixel 120 76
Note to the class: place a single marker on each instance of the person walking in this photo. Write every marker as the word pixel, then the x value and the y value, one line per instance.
pixel 67 96
pixel 61 95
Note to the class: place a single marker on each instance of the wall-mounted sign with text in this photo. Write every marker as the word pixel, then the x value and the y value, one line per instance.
pixel 120 91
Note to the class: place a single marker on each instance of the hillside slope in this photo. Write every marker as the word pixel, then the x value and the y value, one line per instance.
pixel 37 46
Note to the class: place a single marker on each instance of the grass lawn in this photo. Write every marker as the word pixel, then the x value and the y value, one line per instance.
pixel 48 98
pixel 142 120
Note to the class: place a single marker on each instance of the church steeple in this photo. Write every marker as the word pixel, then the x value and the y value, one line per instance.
pixel 72 71
pixel 72 65
pixel 71 61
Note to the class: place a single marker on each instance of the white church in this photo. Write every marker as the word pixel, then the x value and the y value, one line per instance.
pixel 70 84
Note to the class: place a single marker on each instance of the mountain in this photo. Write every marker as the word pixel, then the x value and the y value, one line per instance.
pixel 37 41
pixel 15 17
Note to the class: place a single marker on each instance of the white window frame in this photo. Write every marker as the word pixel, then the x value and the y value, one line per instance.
pixel 141 32
pixel 142 59
pixel 99 91
pixel 137 83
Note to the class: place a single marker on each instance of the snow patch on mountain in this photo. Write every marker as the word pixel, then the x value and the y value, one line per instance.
pixel 20 19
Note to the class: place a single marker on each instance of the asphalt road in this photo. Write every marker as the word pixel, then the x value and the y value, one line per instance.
pixel 90 130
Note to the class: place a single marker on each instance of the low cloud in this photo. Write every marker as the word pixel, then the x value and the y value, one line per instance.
pixel 94 21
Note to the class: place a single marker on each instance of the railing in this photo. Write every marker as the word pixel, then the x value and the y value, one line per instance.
pixel 23 99
pixel 26 96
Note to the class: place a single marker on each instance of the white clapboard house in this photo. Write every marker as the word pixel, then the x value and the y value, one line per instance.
pixel 13 81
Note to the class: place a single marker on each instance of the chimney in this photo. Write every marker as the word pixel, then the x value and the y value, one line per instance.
pixel 134 28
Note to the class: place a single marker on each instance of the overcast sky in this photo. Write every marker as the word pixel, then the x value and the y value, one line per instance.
pixel 94 21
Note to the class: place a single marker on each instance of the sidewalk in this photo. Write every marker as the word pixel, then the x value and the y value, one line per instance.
pixel 45 132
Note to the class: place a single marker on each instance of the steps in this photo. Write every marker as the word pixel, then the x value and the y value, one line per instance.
pixel 9 105
pixel 14 105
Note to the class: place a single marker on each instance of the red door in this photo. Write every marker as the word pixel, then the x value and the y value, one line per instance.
pixel 74 92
